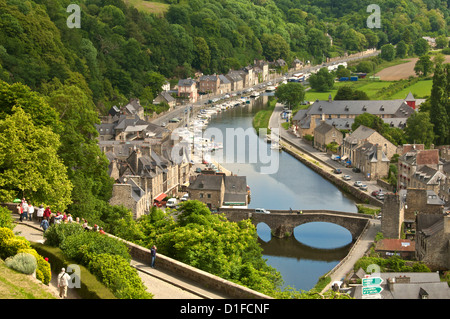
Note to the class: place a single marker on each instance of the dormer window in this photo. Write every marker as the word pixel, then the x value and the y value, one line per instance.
pixel 382 108
pixel 346 107
pixel 364 108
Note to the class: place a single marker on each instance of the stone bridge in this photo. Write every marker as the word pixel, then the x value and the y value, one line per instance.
pixel 283 222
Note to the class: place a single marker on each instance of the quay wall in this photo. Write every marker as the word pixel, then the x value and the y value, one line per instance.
pixel 328 174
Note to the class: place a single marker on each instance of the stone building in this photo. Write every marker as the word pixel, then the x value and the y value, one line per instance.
pixel 325 134
pixel 236 80
pixel 217 190
pixel 371 160
pixel 209 84
pixel 433 240
pixel 131 196
pixel 187 88
pixel 392 216
pixel 363 135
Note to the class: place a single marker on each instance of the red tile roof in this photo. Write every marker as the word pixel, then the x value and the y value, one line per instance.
pixel 388 244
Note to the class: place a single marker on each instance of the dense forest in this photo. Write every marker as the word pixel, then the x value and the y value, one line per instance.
pixel 119 51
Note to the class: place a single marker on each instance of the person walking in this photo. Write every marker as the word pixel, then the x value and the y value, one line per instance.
pixel 40 213
pixel 47 212
pixel 20 212
pixel 63 283
pixel 30 212
pixel 153 254
pixel 25 209
pixel 44 224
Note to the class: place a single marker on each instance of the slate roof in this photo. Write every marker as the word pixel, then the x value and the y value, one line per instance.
pixel 361 133
pixel 186 82
pixel 207 182
pixel 428 175
pixel 235 189
pixel 392 244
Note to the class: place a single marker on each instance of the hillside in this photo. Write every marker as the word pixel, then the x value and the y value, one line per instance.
pixel 124 48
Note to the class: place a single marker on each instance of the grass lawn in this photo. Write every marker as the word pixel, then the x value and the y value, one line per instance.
pixel 15 285
pixel 420 89
pixel 155 7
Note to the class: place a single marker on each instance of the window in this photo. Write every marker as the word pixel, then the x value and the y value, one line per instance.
pixel 209 195
pixel 201 195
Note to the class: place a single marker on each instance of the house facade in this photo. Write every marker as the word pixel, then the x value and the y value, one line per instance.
pixel 187 88
pixel 325 134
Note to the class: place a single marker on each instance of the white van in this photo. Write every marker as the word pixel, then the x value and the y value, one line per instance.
pixel 172 202
pixel 261 211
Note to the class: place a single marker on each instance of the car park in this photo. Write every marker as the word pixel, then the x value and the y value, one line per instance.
pixel 261 211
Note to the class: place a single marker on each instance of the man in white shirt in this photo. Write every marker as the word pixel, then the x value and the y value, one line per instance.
pixel 63 282
pixel 30 212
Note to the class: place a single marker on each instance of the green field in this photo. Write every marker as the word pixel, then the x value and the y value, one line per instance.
pixel 420 89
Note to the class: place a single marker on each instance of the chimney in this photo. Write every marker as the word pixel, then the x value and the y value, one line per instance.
pixel 379 152
pixel 329 98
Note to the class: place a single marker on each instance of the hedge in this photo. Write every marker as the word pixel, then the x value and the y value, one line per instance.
pixel 91 287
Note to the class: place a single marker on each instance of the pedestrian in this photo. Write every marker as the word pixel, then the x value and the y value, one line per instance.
pixel 69 218
pixel 63 282
pixel 40 213
pixel 44 224
pixel 30 212
pixel 58 218
pixel 47 212
pixel 20 212
pixel 25 209
pixel 153 254
pixel 101 231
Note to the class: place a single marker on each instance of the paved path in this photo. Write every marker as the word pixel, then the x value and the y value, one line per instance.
pixel 162 284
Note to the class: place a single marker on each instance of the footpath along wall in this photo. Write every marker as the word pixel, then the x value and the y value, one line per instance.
pixel 208 280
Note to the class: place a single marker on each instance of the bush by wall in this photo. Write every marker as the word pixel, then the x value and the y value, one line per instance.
pixel 43 270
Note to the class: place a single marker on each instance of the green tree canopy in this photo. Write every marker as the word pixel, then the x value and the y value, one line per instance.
pixel 322 81
pixel 291 94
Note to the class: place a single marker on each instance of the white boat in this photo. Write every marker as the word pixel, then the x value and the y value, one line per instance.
pixel 270 89
pixel 254 94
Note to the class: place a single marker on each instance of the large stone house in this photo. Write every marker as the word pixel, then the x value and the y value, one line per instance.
pixel 342 114
pixel 413 158
pixel 363 135
pixel 371 160
pixel 187 88
pixel 217 190
pixel 165 97
pixel 236 80
pixel 325 134
pixel 209 84
pixel 225 84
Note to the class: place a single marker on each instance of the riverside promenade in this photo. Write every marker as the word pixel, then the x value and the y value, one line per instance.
pixel 324 162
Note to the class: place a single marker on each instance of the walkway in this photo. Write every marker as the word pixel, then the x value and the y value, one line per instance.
pixel 162 284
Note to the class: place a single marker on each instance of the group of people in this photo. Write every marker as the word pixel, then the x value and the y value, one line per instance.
pixel 46 217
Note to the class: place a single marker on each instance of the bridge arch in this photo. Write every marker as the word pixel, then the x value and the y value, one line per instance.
pixel 322 235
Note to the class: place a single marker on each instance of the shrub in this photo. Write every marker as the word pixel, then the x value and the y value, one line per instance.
pixel 43 270
pixel 6 219
pixel 10 244
pixel 116 273
pixel 56 234
pixel 81 247
pixel 22 262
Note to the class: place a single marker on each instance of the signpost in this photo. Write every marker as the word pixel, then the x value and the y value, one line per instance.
pixel 371 281
pixel 371 287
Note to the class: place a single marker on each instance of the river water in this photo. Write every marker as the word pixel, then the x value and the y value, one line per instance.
pixel 315 248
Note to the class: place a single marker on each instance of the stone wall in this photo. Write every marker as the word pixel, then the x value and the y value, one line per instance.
pixel 206 279
pixel 343 185
pixel 392 214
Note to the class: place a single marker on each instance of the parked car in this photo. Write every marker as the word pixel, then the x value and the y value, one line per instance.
pixel 261 211
pixel 363 187
pixel 356 170
pixel 346 177
pixel 338 171
pixel 375 193
pixel 380 196
pixel 357 183
pixel 185 197
pixel 172 202
pixel 198 170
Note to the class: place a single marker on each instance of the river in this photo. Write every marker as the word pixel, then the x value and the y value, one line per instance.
pixel 315 248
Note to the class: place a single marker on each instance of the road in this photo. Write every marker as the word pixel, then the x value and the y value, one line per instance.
pixel 275 121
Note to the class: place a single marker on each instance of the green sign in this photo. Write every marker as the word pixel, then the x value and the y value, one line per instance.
pixel 371 281
pixel 371 290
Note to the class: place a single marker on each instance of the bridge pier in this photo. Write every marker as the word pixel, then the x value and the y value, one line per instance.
pixel 283 231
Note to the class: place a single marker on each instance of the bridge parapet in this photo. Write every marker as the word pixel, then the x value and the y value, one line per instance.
pixel 283 222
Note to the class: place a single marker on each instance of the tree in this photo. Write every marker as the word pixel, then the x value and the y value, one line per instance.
pixel 419 129
pixel 348 93
pixel 401 50
pixel 202 54
pixel 438 112
pixel 369 120
pixel 441 42
pixel 424 66
pixel 322 81
pixel 421 47
pixel 30 164
pixel 365 66
pixel 387 52
pixel 342 71
pixel 274 47
pixel 290 94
